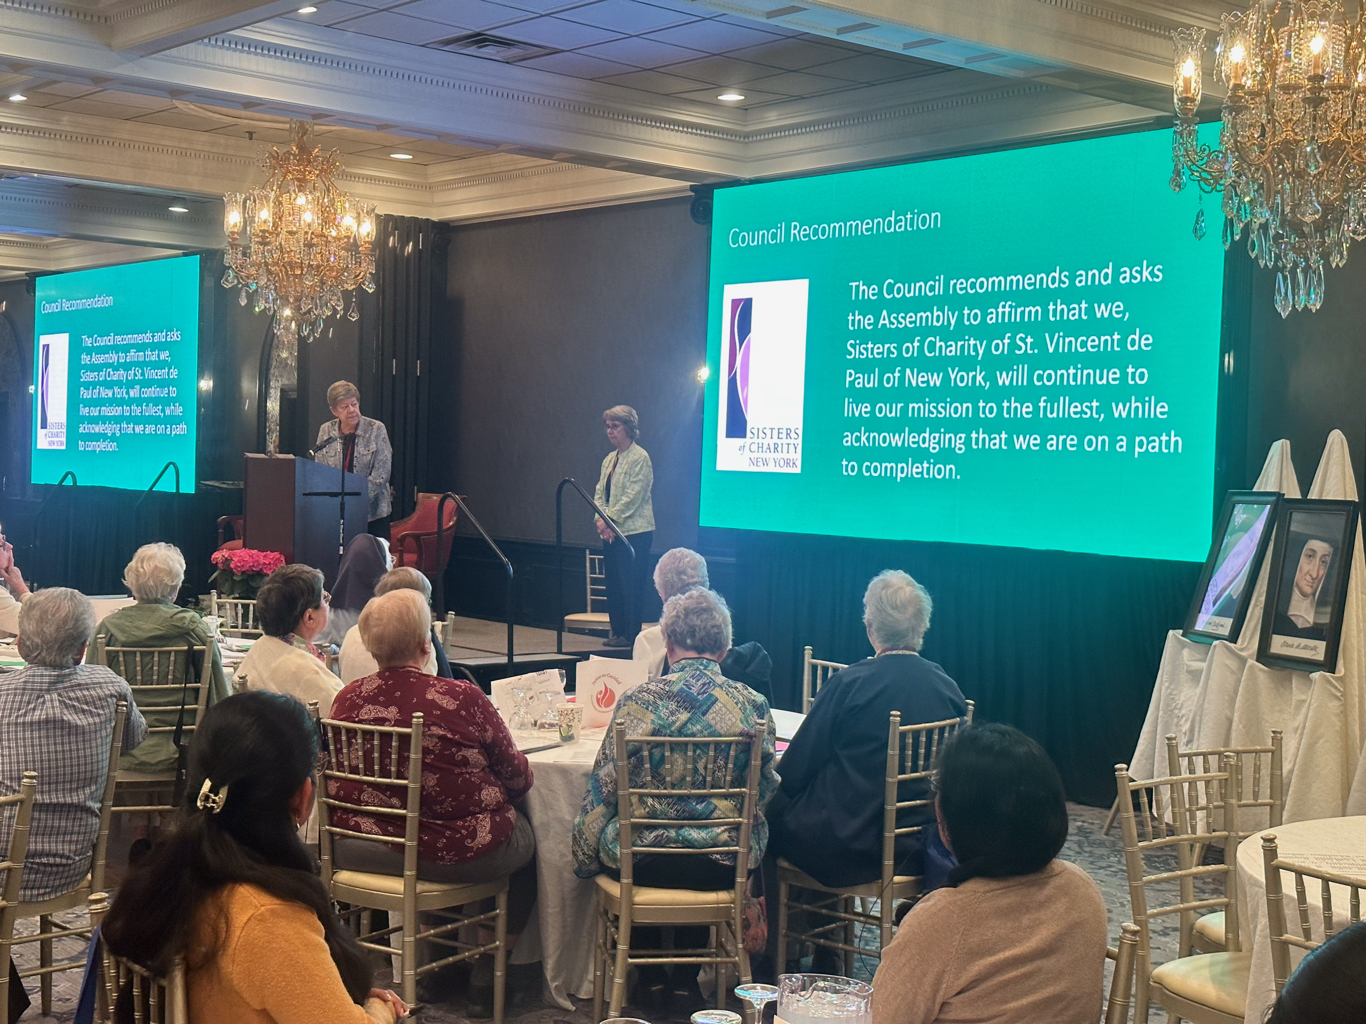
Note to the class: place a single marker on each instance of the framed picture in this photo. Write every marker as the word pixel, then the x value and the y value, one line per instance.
pixel 1307 590
pixel 1241 538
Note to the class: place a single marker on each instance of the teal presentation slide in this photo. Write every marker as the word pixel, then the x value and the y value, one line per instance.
pixel 116 368
pixel 1018 348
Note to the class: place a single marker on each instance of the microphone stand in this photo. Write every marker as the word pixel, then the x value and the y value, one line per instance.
pixel 341 494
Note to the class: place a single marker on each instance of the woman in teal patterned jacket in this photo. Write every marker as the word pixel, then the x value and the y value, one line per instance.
pixel 694 699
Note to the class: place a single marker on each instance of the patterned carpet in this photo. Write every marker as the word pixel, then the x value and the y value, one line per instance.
pixel 1099 854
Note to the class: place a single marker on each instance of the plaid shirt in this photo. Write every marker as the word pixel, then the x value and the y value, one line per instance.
pixel 692 700
pixel 58 722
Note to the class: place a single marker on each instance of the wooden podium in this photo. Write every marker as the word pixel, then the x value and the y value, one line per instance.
pixel 293 506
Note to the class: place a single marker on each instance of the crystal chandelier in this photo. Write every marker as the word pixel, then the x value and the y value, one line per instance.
pixel 1291 160
pixel 297 242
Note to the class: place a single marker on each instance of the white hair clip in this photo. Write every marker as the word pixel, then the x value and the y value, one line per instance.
pixel 212 801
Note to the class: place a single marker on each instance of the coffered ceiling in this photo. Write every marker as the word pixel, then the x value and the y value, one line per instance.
pixel 508 107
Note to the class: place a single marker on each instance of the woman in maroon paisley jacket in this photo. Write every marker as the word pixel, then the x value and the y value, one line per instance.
pixel 472 771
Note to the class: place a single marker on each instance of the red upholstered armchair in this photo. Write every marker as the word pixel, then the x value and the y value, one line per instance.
pixel 412 541
pixel 233 523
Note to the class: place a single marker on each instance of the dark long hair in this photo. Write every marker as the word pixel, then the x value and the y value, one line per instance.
pixel 1327 987
pixel 261 746
pixel 1001 802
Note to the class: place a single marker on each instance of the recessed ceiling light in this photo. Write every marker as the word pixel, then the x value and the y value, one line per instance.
pixel 401 156
pixel 178 207
pixel 308 10
pixel 17 97
pixel 731 97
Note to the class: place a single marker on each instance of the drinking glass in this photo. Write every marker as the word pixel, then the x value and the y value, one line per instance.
pixel 522 716
pixel 823 999
pixel 757 996
pixel 716 1017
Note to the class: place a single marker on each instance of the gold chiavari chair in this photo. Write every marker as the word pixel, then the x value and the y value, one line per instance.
pixel 1283 938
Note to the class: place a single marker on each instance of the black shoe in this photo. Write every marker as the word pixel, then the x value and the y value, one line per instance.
pixel 617 641
pixel 444 984
pixel 140 848
pixel 826 961
pixel 686 997
pixel 650 993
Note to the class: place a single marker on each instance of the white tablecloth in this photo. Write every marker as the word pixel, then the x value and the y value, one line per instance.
pixel 561 933
pixel 1332 844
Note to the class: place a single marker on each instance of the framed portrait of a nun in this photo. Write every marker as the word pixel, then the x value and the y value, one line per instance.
pixel 1307 588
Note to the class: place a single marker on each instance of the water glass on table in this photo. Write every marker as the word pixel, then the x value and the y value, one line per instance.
pixel 823 999
pixel 757 996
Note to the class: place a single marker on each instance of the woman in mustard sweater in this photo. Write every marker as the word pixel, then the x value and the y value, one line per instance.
pixel 233 891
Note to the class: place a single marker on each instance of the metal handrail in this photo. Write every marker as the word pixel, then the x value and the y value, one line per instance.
pixel 169 465
pixel 53 493
pixel 559 546
pixel 440 523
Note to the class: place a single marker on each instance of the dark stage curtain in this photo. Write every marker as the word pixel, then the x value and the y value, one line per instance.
pixel 410 271
pixel 1063 646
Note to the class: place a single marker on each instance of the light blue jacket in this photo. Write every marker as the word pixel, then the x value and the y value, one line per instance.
pixel 374 458
pixel 630 507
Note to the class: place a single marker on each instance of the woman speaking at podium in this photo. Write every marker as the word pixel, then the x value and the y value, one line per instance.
pixel 624 494
pixel 360 445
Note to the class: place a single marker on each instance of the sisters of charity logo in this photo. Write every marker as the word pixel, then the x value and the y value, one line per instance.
pixel 737 368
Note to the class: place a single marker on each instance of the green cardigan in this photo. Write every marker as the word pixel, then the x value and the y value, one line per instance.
pixel 630 507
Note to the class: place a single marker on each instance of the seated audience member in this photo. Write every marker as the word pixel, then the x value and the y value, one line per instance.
pixel 292 609
pixel 57 719
pixel 233 891
pixel 355 661
pixel 694 699
pixel 154 577
pixel 1017 937
pixel 1329 985
pixel 827 816
pixel 366 560
pixel 472 772
pixel 13 589
pixel 678 571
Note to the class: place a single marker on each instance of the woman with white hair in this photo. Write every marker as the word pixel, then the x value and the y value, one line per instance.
pixel 623 492
pixel 827 816
pixel 678 571
pixel 154 577
pixel 696 700
pixel 360 445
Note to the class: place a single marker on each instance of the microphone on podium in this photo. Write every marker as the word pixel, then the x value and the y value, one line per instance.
pixel 313 452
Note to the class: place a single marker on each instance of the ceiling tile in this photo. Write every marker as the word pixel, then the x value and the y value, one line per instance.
pixel 766 26
pixel 753 98
pixel 876 67
pixel 794 83
pixel 475 15
pixel 577 65
pixel 382 153
pixel 630 17
pixel 544 6
pixel 97 108
pixel 641 52
pixel 70 89
pixel 711 36
pixel 132 99
pixel 333 11
pixel 401 29
pixel 175 118
pixel 39 99
pixel 655 81
pixel 558 33
pixel 720 70
pixel 793 54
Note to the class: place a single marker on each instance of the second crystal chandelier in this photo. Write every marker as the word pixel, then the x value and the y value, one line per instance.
pixel 1291 160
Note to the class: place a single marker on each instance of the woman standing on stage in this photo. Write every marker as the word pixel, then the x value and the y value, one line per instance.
pixel 624 494
pixel 358 444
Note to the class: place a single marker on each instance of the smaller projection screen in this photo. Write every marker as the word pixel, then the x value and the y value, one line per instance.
pixel 116 359
pixel 1017 348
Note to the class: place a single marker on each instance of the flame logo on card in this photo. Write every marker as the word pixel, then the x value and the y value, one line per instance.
pixel 605 697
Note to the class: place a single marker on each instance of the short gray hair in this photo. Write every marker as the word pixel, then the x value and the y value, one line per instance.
pixel 680 570
pixel 54 625
pixel 697 621
pixel 340 392
pixel 626 416
pixel 896 610
pixel 155 573
pixel 404 577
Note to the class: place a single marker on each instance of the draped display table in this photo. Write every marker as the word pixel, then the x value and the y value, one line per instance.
pixel 1331 844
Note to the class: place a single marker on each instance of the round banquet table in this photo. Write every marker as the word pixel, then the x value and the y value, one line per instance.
pixel 1332 844
pixel 562 931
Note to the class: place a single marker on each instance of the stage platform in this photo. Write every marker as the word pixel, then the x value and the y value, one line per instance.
pixel 480 645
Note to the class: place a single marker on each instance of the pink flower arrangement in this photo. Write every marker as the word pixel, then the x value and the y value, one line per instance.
pixel 241 571
pixel 243 561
